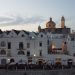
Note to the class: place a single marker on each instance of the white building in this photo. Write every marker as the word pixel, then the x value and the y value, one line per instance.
pixel 47 45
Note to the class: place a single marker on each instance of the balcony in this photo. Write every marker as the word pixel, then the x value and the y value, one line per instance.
pixel 8 53
pixel 57 51
pixel 21 49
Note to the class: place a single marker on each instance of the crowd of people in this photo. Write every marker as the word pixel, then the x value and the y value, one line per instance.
pixel 17 66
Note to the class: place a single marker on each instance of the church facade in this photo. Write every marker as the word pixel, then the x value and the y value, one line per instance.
pixel 48 45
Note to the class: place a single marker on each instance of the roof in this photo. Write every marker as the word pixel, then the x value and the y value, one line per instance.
pixel 16 31
pixel 1 31
pixel 50 24
pixel 56 30
pixel 7 32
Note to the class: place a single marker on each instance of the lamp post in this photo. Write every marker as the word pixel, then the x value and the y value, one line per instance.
pixel 8 61
pixel 34 57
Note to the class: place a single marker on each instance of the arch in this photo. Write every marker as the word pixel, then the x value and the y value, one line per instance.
pixel 13 33
pixel 21 53
pixel 40 61
pixel 12 60
pixel 2 52
pixel 41 35
pixel 58 61
pixel 22 34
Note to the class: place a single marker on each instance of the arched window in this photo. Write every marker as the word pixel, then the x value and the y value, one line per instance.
pixel 2 52
pixel 12 60
pixel 40 44
pixel 3 44
pixel 21 53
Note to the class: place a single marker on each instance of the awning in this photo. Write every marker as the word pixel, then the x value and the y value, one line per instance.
pixel 70 60
pixel 12 63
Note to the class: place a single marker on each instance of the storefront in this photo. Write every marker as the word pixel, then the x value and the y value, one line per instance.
pixel 58 61
pixel 40 61
pixel 30 60
pixel 70 62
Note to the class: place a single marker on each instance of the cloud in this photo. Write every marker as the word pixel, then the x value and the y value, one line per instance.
pixel 18 20
pixel 3 19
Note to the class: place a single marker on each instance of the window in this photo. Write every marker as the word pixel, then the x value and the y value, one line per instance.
pixel 9 45
pixel 65 43
pixel 40 44
pixel 21 45
pixel 47 42
pixel 22 35
pixel 3 44
pixel 63 36
pixel 74 54
pixel 21 53
pixel 28 53
pixel 3 61
pixel 2 52
pixel 40 53
pixel 41 35
pixel 72 39
pixel 50 49
pixel 28 45
pixel 9 53
pixel 20 61
pixel 12 60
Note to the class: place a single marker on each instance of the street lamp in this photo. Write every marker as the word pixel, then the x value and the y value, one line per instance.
pixel 8 60
pixel 34 55
pixel 34 58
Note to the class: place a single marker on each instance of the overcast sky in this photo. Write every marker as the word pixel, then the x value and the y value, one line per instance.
pixel 28 14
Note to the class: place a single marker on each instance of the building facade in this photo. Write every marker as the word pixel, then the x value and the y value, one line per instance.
pixel 48 45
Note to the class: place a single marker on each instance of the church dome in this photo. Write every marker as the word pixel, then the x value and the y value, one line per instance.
pixel 50 24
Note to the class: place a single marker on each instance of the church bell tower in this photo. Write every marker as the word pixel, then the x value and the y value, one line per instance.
pixel 62 22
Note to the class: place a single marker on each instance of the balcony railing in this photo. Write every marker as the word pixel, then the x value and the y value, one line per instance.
pixel 21 49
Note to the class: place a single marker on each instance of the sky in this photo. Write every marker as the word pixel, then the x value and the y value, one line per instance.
pixel 29 14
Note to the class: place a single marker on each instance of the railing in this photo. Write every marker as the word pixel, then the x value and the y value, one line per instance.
pixel 21 49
